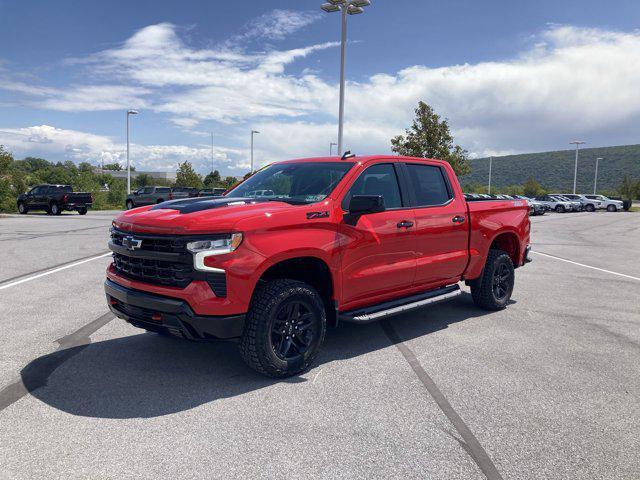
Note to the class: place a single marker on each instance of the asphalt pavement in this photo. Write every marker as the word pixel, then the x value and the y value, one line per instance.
pixel 547 388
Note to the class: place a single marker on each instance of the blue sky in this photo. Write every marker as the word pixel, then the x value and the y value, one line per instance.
pixel 510 76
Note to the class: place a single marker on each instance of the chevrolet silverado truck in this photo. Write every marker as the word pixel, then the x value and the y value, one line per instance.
pixel 351 239
pixel 54 199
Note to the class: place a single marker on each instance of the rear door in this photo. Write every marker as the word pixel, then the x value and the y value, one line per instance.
pixel 146 197
pixel 379 260
pixel 441 225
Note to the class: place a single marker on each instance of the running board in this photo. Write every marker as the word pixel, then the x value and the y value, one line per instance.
pixel 393 307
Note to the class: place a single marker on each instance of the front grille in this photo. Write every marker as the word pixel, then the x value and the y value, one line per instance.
pixel 158 272
pixel 176 271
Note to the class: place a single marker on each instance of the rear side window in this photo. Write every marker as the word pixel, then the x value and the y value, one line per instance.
pixel 163 190
pixel 429 185
pixel 379 179
pixel 147 190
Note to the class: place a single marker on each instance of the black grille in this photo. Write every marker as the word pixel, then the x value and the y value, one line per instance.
pixel 162 260
pixel 158 272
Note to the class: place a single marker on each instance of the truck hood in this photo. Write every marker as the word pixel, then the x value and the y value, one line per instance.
pixel 197 215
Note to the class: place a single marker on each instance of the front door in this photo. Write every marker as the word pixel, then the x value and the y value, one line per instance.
pixel 379 259
pixel 442 226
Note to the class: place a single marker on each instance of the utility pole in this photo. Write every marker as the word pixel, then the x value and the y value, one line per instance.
pixel 129 112
pixel 577 143
pixel 212 152
pixel 595 178
pixel 252 133
pixel 331 144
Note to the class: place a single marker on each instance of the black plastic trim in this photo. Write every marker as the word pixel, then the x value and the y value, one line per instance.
pixel 177 317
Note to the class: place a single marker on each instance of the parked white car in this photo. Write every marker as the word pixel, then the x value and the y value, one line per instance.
pixel 588 204
pixel 556 204
pixel 609 204
pixel 576 206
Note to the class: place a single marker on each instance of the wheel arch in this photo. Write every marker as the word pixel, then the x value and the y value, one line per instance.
pixel 508 242
pixel 310 269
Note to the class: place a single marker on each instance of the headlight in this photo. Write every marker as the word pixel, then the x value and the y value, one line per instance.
pixel 204 249
pixel 216 247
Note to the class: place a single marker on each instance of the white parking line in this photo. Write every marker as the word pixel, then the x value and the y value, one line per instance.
pixel 49 272
pixel 586 266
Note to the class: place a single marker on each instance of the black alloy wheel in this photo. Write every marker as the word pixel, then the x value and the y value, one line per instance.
pixel 293 330
pixel 502 281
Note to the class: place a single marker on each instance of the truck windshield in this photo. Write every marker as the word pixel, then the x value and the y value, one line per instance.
pixel 297 183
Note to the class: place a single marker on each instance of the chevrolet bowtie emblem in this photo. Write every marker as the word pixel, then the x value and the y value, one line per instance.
pixel 131 243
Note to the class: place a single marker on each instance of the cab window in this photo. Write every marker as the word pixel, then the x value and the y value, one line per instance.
pixel 429 185
pixel 380 179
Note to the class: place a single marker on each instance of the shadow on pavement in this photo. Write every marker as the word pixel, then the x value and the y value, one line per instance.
pixel 149 375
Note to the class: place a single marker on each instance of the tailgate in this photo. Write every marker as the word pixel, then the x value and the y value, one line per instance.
pixel 79 197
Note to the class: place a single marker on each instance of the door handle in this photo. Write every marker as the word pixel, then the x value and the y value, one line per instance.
pixel 405 224
pixel 457 219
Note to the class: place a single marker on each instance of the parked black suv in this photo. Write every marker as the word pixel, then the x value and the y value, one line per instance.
pixel 54 199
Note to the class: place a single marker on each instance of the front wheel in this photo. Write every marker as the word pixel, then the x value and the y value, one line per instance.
pixel 611 208
pixel 129 204
pixel 492 291
pixel 560 209
pixel 22 209
pixel 284 328
pixel 590 208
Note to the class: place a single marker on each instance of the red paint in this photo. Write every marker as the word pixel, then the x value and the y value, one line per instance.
pixel 369 262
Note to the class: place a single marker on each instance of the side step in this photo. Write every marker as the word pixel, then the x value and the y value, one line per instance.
pixel 376 312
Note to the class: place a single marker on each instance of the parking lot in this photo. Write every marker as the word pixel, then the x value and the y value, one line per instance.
pixel 547 388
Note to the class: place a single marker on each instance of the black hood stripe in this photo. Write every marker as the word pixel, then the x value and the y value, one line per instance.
pixel 190 205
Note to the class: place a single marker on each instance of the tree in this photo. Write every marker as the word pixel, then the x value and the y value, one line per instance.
pixel 628 188
pixel 143 180
pixel 247 175
pixel 212 179
pixel 85 167
pixel 532 188
pixel 113 166
pixel 187 176
pixel 429 137
pixel 6 161
pixel 229 182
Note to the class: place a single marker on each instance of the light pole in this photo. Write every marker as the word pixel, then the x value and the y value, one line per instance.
pixel 129 112
pixel 252 133
pixel 490 164
pixel 331 144
pixel 595 178
pixel 212 152
pixel 346 7
pixel 577 143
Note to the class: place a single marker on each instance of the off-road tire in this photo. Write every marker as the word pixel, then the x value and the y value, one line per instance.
pixel 54 208
pixel 482 289
pixel 256 346
pixel 22 208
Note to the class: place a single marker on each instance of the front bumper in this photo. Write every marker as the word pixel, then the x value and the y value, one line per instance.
pixel 169 315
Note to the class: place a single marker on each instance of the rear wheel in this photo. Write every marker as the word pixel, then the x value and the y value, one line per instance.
pixel 82 210
pixel 22 208
pixel 54 209
pixel 611 208
pixel 284 328
pixel 129 204
pixel 492 291
pixel 590 208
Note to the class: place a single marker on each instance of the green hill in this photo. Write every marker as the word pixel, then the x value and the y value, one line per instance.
pixel 554 170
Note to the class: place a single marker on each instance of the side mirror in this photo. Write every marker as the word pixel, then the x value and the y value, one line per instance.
pixel 361 204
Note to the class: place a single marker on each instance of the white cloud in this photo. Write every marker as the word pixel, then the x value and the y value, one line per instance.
pixel 51 142
pixel 569 82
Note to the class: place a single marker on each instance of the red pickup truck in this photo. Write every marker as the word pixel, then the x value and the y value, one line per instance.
pixel 304 244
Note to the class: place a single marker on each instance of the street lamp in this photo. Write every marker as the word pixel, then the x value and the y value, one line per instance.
pixel 577 143
pixel 346 7
pixel 252 133
pixel 129 112
pixel 595 178
pixel 331 144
